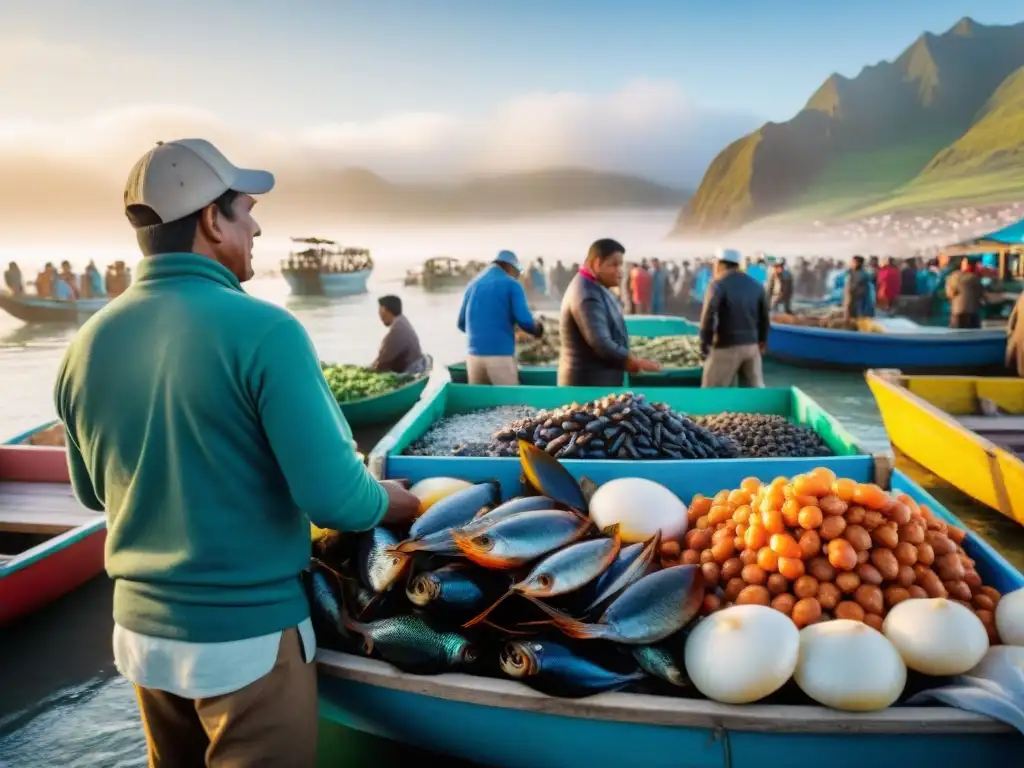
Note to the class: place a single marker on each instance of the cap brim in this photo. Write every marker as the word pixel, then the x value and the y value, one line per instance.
pixel 251 182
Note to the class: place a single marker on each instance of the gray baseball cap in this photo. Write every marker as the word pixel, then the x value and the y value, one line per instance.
pixel 177 178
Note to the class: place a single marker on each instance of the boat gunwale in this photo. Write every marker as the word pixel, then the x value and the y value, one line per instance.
pixel 650 710
pixel 950 338
pixel 61 541
pixel 421 379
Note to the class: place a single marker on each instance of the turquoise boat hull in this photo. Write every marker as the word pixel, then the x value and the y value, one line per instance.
pixel 850 460
pixel 387 408
pixel 936 351
pixel 503 723
pixel 651 326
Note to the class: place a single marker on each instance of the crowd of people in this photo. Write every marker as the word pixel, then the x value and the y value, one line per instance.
pixel 64 285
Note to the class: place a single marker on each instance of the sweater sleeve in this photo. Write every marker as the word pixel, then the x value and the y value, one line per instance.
pixel 308 434
pixel 78 471
pixel 521 310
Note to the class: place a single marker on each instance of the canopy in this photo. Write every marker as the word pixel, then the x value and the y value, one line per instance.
pixel 1007 238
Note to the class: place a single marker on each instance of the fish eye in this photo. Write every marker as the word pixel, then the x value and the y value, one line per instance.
pixel 544 580
pixel 485 541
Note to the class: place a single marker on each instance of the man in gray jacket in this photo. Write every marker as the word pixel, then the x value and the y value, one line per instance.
pixel 595 344
pixel 733 325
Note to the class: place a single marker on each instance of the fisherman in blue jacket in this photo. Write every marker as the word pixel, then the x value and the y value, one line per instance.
pixel 493 305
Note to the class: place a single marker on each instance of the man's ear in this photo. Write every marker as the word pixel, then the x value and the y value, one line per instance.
pixel 209 222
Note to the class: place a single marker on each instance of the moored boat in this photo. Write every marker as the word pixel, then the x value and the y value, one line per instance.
pixel 501 722
pixel 33 309
pixel 443 272
pixel 49 543
pixel 326 269
pixel 897 343
pixel 967 430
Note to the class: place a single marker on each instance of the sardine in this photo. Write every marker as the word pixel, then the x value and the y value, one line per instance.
pixel 412 645
pixel 549 477
pixel 657 606
pixel 452 588
pixel 659 662
pixel 522 538
pixel 553 669
pixel 455 510
pixel 633 563
pixel 442 543
pixel 563 571
pixel 324 591
pixel 379 564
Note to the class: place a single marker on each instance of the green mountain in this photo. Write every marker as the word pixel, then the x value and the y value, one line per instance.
pixel 358 193
pixel 944 122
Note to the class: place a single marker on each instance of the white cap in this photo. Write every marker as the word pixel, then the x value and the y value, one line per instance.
pixel 729 256
pixel 177 178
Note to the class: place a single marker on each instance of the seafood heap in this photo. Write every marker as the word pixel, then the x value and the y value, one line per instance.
pixel 625 426
pixel 531 589
pixel 834 321
pixel 819 547
pixel 761 435
pixel 352 382
pixel 670 351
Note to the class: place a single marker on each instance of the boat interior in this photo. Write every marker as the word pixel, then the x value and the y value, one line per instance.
pixel 36 501
pixel 992 408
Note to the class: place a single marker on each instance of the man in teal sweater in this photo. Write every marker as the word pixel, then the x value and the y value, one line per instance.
pixel 199 419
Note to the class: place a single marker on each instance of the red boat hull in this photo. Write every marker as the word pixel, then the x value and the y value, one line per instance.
pixel 56 573
pixel 59 565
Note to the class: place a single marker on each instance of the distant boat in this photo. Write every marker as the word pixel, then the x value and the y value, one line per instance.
pixel 326 269
pixel 33 309
pixel 442 272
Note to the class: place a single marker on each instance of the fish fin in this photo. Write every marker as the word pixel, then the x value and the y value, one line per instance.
pixel 567 624
pixel 506 630
pixel 356 628
pixel 405 547
pixel 487 611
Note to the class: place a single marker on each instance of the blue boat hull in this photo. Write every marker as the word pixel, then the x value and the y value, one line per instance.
pixel 31 309
pixel 938 352
pixel 302 283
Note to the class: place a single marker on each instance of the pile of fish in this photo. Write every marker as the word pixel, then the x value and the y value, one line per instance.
pixel 467 434
pixel 528 589
pixel 761 435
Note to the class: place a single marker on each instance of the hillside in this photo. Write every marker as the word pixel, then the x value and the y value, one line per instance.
pixel 357 193
pixel 945 118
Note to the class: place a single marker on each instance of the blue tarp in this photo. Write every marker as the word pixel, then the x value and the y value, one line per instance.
pixel 1011 235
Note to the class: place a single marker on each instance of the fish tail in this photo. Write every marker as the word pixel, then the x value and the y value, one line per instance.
pixel 356 628
pixel 487 611
pixel 574 628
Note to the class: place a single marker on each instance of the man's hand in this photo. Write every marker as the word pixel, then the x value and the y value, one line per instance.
pixel 403 507
pixel 641 365
pixel 762 345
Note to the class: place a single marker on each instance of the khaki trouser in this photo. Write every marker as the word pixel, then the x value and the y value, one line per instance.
pixel 724 363
pixel 501 371
pixel 270 723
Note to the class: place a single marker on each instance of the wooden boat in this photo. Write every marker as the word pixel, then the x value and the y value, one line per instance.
pixel 967 430
pixel 895 343
pixel 501 722
pixel 389 407
pixel 326 269
pixel 32 309
pixel 49 543
pixel 443 272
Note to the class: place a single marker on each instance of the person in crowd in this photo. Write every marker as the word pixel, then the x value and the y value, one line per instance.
pixel 1015 340
pixel 928 278
pixel 803 281
pixel 856 290
pixel 908 278
pixel 624 290
pixel 966 295
pixel 640 285
pixel 659 287
pixel 684 289
pixel 13 279
pixel 595 344
pixel 757 268
pixel 400 349
pixel 493 305
pixel 63 286
pixel 211 450
pixel 733 325
pixel 871 270
pixel 779 288
pixel 67 275
pixel 539 278
pixel 888 285
pixel 45 281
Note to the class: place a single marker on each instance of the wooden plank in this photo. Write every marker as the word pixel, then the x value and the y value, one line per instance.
pixel 658 710
pixel 992 424
pixel 48 508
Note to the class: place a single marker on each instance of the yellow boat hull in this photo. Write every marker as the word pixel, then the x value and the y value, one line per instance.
pixel 918 413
